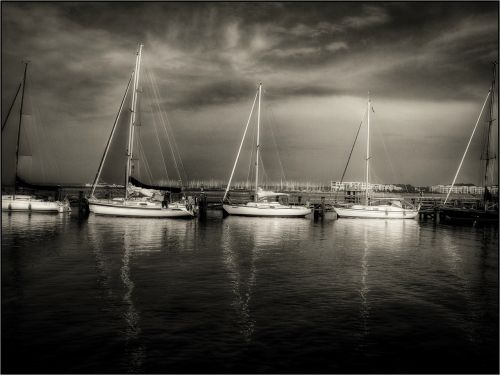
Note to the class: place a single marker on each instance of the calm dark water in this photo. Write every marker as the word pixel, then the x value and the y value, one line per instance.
pixel 247 295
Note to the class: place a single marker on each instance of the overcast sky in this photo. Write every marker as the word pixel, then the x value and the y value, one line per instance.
pixel 426 65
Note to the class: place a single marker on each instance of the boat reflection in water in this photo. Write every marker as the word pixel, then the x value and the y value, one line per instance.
pixel 117 245
pixel 250 242
pixel 376 246
pixel 31 227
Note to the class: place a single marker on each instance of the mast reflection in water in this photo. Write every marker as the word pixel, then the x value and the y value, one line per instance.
pixel 247 295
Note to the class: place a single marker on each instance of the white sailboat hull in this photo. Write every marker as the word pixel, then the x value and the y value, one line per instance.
pixel 376 212
pixel 268 210
pixel 27 203
pixel 138 209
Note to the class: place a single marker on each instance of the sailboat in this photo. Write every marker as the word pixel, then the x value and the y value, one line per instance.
pixel 127 206
pixel 266 203
pixel 25 202
pixel 388 208
pixel 487 210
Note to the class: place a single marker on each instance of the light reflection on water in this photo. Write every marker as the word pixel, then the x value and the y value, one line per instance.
pixel 244 241
pixel 247 294
pixel 136 238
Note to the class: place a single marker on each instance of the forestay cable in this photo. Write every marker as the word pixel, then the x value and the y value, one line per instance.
pixel 467 148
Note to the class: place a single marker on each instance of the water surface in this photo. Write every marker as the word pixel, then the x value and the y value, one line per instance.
pixel 247 295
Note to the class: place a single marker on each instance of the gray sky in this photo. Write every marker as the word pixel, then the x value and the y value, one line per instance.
pixel 427 66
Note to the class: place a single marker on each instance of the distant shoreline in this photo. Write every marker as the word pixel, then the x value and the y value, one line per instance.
pixel 215 195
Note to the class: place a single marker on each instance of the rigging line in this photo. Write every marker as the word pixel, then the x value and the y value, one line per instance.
pixel 11 105
pixel 171 142
pixel 349 158
pixel 31 138
pixel 277 147
pixel 239 149
pixel 176 149
pixel 251 164
pixel 106 149
pixel 142 155
pixel 34 129
pixel 167 125
pixel 275 144
pixel 158 142
pixel 467 148
pixel 162 121
pixel 273 119
pixel 146 162
pixel 387 154
pixel 263 169
pixel 175 146
pixel 157 99
pixel 39 126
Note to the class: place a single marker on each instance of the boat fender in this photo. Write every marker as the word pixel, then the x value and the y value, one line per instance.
pixel 10 207
pixel 29 207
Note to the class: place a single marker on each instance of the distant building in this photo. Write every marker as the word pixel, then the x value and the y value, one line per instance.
pixel 463 189
pixel 356 185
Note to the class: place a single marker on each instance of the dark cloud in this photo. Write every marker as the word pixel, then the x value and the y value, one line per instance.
pixel 207 59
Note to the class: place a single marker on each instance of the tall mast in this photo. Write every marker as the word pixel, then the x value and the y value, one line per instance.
pixel 20 123
pixel 133 109
pixel 367 150
pixel 258 141
pixel 490 124
pixel 239 150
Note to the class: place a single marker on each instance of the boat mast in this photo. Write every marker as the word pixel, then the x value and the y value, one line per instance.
pixel 367 150
pixel 257 153
pixel 20 123
pixel 490 124
pixel 133 109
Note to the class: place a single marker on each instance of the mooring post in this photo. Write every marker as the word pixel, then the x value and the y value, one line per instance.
pixel 202 205
pixel 58 193
pixel 83 204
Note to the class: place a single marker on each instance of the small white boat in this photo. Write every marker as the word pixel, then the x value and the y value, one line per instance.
pixel 23 202
pixel 266 203
pixel 392 208
pixel 28 203
pixel 134 207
